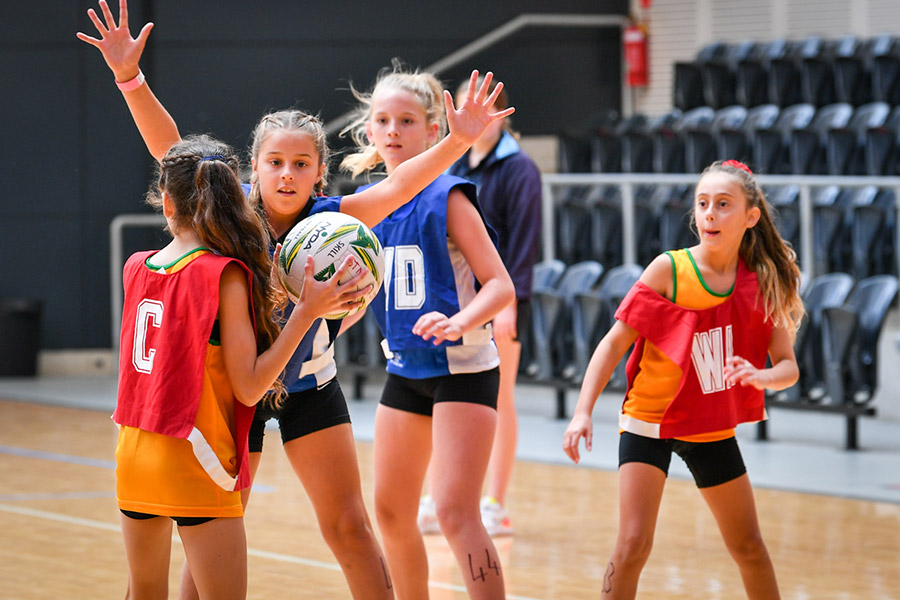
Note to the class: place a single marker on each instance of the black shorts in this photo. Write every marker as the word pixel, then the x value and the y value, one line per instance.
pixel 180 521
pixel 302 413
pixel 420 395
pixel 711 463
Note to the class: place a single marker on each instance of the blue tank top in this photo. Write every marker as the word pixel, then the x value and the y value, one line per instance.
pixel 425 272
pixel 312 364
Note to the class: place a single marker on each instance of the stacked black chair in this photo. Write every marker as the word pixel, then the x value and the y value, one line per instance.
pixel 824 291
pixel 551 322
pixel 647 200
pixel 701 143
pixel 807 149
pixel 737 142
pixel 784 72
pixel 770 144
pixel 881 146
pixel 853 65
pixel 845 146
pixel 605 141
pixel 719 75
pixel 850 336
pixel 752 73
pixel 668 142
pixel 873 225
pixel 817 70
pixel 786 202
pixel 675 218
pixel 637 144
pixel 545 276
pixel 831 232
pixel 605 205
pixel 687 89
pixel 593 315
pixel 886 70
pixel 572 220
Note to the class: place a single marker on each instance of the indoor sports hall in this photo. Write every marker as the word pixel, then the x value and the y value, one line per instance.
pixel 621 104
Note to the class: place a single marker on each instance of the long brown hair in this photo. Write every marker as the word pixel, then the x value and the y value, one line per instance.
pixel 200 175
pixel 766 253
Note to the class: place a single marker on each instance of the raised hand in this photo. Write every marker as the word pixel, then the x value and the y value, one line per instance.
pixel 473 116
pixel 121 52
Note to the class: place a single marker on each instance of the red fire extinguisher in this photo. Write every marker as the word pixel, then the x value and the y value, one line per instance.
pixel 634 38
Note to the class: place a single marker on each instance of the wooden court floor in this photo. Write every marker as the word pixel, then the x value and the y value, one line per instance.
pixel 60 535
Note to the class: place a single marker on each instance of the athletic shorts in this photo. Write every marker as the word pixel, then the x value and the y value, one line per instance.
pixel 180 521
pixel 420 395
pixel 711 463
pixel 302 413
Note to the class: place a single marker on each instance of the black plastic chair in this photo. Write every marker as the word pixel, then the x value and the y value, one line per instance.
pixel 807 144
pixel 593 315
pixel 817 70
pixel 552 313
pixel 737 142
pixel 668 142
pixel 850 335
pixel 828 290
pixel 637 144
pixel 853 66
pixel 845 146
pixel 831 232
pixel 872 231
pixel 605 141
pixel 881 146
pixel 605 205
pixel 784 71
pixel 718 76
pixel 545 276
pixel 701 143
pixel 752 73
pixel 687 88
pixel 572 222
pixel 770 144
pixel 786 202
pixel 675 219
pixel 886 70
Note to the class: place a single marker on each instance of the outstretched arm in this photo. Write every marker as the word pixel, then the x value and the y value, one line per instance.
pixel 466 124
pixel 122 54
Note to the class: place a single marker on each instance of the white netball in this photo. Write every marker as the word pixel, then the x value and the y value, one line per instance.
pixel 328 237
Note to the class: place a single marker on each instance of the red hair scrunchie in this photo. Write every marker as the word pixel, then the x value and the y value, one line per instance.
pixel 737 165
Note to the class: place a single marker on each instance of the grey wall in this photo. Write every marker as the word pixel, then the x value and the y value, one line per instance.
pixel 72 158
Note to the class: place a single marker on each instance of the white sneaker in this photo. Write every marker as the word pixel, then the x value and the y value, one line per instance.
pixel 495 517
pixel 427 519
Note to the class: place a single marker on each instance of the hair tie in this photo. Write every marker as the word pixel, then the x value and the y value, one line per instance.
pixel 212 157
pixel 737 165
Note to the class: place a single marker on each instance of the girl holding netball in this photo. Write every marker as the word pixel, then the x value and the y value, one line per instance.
pixel 289 157
pixel 440 398
pixel 199 348
pixel 725 305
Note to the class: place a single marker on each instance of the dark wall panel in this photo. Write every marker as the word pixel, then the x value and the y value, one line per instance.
pixel 72 158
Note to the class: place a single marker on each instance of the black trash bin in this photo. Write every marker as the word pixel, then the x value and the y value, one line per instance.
pixel 20 337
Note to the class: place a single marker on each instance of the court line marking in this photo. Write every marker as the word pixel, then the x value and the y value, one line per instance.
pixel 276 556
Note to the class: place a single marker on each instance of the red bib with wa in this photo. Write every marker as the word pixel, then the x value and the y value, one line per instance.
pixel 167 320
pixel 699 341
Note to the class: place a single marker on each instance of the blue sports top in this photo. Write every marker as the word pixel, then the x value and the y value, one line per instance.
pixel 312 364
pixel 425 272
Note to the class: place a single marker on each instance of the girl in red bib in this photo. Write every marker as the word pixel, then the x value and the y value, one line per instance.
pixel 703 321
pixel 199 348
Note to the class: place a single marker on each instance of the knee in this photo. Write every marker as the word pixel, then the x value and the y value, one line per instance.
pixel 348 530
pixel 750 549
pixel 633 549
pixel 455 518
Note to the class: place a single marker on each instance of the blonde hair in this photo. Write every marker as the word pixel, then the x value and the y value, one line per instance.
pixel 424 86
pixel 767 254
pixel 289 120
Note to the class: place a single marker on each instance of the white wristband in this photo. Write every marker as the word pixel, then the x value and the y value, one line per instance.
pixel 131 84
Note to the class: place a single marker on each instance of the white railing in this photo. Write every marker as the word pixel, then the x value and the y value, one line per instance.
pixel 627 183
